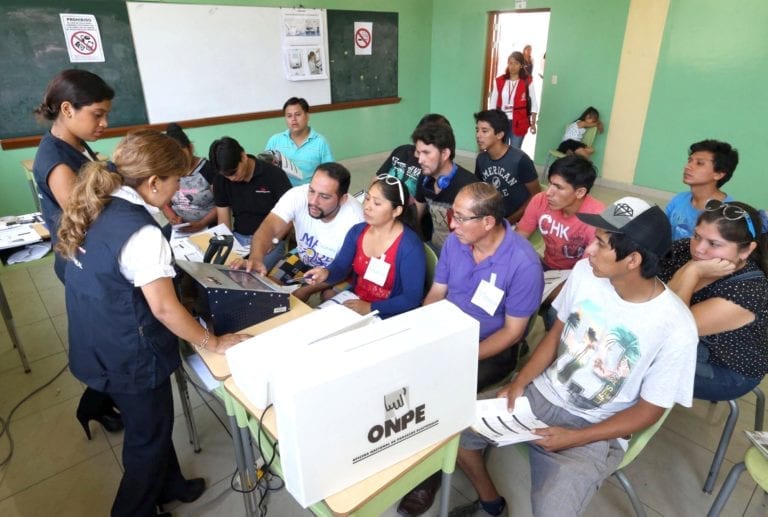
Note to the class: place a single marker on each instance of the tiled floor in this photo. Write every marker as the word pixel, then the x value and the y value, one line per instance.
pixel 56 471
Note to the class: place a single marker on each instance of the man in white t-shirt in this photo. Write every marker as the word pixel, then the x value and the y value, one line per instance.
pixel 623 348
pixel 321 214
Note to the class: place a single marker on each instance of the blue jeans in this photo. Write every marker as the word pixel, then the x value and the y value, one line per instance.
pixel 713 382
pixel 514 140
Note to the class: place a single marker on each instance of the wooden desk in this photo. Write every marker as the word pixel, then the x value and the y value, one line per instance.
pixel 370 496
pixel 217 363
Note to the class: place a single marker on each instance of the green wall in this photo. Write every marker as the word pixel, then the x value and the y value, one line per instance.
pixel 351 133
pixel 583 49
pixel 710 83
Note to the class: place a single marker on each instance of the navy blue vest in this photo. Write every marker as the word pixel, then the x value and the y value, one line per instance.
pixel 116 345
pixel 52 152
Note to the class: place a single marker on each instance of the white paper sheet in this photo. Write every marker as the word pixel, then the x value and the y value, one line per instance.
pixel 494 421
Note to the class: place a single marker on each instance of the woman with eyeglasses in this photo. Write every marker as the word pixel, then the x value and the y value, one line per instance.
pixel 720 272
pixel 384 254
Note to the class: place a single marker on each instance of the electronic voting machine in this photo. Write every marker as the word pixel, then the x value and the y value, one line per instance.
pixel 233 299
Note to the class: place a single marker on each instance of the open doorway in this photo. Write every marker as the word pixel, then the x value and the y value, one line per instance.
pixel 511 31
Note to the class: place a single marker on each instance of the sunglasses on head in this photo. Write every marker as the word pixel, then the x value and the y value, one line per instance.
pixel 391 180
pixel 732 213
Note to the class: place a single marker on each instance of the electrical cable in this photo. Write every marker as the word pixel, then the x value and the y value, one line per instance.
pixel 199 390
pixel 5 424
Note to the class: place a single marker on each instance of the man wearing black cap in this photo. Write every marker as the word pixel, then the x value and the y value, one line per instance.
pixel 622 350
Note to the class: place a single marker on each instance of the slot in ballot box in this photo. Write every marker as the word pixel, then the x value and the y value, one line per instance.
pixel 253 362
pixel 235 299
pixel 360 401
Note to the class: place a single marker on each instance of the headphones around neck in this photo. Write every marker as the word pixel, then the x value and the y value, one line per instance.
pixel 445 181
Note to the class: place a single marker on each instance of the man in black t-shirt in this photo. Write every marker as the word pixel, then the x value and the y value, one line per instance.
pixel 507 168
pixel 249 193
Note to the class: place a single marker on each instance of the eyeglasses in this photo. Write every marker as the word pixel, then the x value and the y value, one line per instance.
pixel 392 180
pixel 732 213
pixel 461 219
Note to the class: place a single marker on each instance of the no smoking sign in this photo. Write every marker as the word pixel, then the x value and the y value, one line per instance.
pixel 363 38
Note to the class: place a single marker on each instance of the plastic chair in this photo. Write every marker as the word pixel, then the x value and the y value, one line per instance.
pixel 554 154
pixel 636 444
pixel 725 438
pixel 756 464
pixel 431 257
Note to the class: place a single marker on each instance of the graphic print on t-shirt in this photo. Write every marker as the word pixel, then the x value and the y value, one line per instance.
pixel 409 175
pixel 595 361
pixel 311 251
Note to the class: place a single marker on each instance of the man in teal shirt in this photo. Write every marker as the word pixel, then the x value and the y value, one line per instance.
pixel 300 144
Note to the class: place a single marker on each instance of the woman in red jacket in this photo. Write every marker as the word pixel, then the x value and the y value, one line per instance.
pixel 514 94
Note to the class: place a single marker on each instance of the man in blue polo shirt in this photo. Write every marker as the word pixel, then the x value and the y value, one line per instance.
pixel 492 274
pixel 300 144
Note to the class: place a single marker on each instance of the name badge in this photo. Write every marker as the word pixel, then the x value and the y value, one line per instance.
pixel 377 271
pixel 487 296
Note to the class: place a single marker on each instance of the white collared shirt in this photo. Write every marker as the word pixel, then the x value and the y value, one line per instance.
pixel 146 255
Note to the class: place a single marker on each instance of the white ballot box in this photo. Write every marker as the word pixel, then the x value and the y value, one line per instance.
pixel 354 404
pixel 254 362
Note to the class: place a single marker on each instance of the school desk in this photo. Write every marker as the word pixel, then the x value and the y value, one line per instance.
pixel 370 496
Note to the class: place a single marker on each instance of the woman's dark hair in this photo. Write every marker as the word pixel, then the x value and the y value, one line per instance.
pixel 391 192
pixel 225 155
pixel 78 87
pixel 737 231
pixel 589 112
pixel 623 245
pixel 174 131
pixel 518 56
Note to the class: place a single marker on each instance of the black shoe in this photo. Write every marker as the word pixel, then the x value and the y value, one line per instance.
pixel 193 489
pixel 98 406
pixel 420 499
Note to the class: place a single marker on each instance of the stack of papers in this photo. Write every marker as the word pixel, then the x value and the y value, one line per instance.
pixel 552 279
pixel 494 421
pixel 18 235
pixel 760 440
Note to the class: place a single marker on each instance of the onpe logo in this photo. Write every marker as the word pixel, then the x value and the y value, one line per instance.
pixel 398 415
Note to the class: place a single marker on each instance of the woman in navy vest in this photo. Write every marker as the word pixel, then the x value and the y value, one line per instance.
pixel 124 316
pixel 77 103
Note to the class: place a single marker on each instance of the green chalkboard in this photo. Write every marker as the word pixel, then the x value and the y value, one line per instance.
pixel 361 77
pixel 33 50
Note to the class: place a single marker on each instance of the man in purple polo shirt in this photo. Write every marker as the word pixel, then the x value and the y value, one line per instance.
pixel 493 275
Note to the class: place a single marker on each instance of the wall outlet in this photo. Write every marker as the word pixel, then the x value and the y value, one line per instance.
pixel 554 78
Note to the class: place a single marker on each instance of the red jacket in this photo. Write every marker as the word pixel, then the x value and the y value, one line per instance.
pixel 520 105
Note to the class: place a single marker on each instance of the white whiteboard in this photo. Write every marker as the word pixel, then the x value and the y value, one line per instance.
pixel 199 61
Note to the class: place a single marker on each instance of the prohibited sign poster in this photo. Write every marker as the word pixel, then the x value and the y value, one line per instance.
pixel 82 37
pixel 363 38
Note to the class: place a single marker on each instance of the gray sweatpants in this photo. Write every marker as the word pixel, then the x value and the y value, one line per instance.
pixel 562 482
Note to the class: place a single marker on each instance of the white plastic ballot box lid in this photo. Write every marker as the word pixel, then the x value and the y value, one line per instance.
pixel 253 362
pixel 366 399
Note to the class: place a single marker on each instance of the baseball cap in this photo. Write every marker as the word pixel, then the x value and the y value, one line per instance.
pixel 645 224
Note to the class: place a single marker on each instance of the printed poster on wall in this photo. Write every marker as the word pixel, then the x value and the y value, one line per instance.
pixel 304 44
pixel 82 38
pixel 363 38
